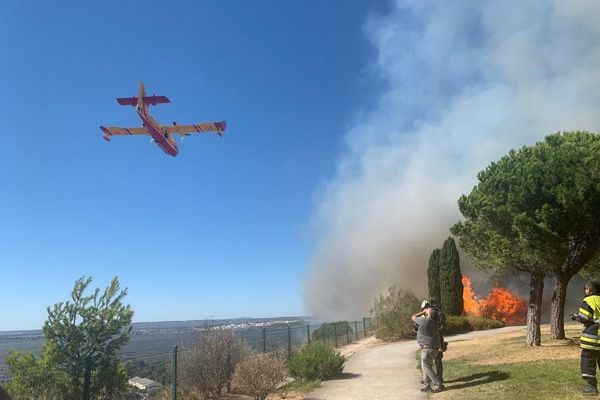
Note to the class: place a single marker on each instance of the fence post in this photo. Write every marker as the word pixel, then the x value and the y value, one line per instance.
pixel 335 333
pixel 289 341
pixel 347 333
pixel 174 377
pixel 87 377
pixel 356 330
pixel 308 333
pixel 370 326
pixel 264 340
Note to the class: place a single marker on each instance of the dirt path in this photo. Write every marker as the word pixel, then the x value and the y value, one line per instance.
pixel 384 372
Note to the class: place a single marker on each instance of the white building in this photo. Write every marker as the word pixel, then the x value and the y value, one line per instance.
pixel 145 384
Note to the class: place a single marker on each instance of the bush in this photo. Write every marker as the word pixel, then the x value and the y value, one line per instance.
pixel 33 378
pixel 258 375
pixel 317 360
pixel 455 324
pixel 481 323
pixel 208 366
pixel 469 323
pixel 392 314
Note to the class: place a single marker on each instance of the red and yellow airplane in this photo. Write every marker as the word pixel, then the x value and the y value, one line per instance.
pixel 162 135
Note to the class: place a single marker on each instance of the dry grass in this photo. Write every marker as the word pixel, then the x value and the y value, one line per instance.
pixel 507 348
pixel 503 367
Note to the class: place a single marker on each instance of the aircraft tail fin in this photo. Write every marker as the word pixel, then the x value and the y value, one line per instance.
pixel 141 106
pixel 221 126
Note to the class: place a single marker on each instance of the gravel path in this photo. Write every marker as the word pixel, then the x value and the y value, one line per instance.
pixel 385 372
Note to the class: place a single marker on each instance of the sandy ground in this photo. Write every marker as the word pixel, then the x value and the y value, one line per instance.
pixel 366 343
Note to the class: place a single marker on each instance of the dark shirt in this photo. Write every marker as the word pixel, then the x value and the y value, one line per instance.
pixel 428 333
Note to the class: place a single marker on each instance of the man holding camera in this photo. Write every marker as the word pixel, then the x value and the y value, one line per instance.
pixel 428 337
pixel 441 320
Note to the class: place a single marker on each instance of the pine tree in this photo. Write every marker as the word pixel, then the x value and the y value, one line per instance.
pixel 451 287
pixel 433 276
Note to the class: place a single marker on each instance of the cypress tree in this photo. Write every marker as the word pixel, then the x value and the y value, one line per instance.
pixel 451 287
pixel 433 276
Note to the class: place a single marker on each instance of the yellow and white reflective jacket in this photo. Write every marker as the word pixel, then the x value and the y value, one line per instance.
pixel 589 315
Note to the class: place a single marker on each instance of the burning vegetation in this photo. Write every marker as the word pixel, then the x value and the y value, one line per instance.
pixel 501 304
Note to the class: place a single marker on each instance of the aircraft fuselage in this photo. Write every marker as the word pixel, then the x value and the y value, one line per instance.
pixel 161 138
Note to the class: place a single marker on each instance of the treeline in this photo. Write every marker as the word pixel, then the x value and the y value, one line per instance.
pixel 534 212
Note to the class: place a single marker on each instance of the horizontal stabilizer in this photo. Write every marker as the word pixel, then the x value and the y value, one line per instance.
pixel 149 100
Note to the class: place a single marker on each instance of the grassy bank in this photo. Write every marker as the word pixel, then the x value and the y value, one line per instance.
pixel 503 367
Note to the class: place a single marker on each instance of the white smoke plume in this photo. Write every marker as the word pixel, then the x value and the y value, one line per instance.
pixel 464 82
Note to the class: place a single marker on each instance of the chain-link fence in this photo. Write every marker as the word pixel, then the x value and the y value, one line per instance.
pixel 292 336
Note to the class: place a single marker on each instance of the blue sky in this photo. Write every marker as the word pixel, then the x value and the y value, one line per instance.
pixel 224 229
pixel 353 128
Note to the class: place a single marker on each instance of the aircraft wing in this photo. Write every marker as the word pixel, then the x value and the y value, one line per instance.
pixel 111 131
pixel 218 127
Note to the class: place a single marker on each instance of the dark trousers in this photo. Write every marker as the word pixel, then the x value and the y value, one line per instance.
pixel 439 366
pixel 589 360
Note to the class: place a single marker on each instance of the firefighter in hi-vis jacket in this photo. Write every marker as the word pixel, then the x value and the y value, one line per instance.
pixel 589 316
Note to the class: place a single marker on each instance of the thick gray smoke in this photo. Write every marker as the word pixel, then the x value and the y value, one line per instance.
pixel 465 81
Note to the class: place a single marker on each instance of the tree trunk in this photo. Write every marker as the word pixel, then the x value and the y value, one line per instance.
pixel 534 310
pixel 557 314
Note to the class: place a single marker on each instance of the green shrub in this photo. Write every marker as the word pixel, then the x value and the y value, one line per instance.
pixel 316 361
pixel 392 314
pixel 481 323
pixel 455 324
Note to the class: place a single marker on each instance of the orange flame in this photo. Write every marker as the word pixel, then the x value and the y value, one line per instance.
pixel 500 304
pixel 471 302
